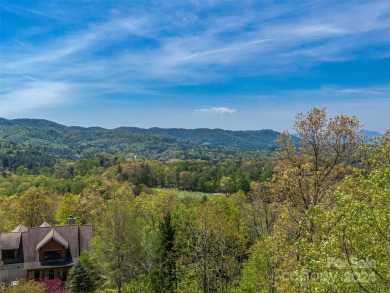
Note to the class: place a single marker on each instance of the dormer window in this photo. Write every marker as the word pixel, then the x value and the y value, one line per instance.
pixel 8 254
pixel 52 255
pixel 9 245
pixel 52 247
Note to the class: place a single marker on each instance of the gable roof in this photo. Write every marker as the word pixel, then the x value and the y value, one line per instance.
pixel 74 238
pixel 55 236
pixel 45 224
pixel 79 238
pixel 9 240
pixel 20 228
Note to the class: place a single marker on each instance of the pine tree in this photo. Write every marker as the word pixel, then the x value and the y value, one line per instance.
pixel 163 278
pixel 79 280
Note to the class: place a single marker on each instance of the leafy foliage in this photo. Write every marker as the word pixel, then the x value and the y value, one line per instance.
pixel 118 242
pixel 36 205
pixel 24 286
pixel 49 141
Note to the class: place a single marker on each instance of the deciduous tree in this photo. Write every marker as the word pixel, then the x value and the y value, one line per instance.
pixel 117 242
pixel 36 206
pixel 304 184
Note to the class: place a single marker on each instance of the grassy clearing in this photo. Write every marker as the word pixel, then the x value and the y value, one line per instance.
pixel 196 195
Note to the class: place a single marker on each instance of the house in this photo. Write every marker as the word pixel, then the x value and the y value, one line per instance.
pixel 42 252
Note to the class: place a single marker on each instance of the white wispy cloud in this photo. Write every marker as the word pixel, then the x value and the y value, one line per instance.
pixel 216 43
pixel 217 110
pixel 34 95
pixel 69 47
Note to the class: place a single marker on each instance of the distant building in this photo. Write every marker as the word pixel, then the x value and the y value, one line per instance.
pixel 42 252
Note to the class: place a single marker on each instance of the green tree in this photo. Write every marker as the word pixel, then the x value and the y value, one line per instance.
pixel 362 225
pixel 8 207
pixel 306 175
pixel 257 273
pixel 210 246
pixel 304 183
pixel 37 205
pixel 68 206
pixel 163 277
pixel 117 241
pixel 258 214
pixel 226 185
pixel 186 179
pixel 90 205
pixel 79 280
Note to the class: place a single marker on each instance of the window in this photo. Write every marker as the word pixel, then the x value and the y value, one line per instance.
pixel 37 274
pixel 51 274
pixel 9 254
pixel 51 255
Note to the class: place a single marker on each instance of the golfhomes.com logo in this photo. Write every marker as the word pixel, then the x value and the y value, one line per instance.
pixel 353 270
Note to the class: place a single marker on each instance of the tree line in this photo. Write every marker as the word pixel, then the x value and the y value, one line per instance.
pixel 227 176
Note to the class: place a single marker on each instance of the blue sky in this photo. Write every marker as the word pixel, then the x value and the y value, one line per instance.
pixel 191 64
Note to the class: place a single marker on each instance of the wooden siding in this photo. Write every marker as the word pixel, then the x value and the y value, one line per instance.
pixel 51 245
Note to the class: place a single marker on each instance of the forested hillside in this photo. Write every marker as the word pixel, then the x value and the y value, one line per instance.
pixel 38 131
pixel 264 139
pixel 313 217
pixel 42 141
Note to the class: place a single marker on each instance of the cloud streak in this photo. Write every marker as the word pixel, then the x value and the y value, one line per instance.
pixel 217 110
pixel 208 48
pixel 32 96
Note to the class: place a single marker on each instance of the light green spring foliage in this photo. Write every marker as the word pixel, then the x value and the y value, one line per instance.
pixel 117 242
pixel 25 286
pixel 68 206
pixel 257 271
pixel 36 206
pixel 304 183
pixel 210 244
pixel 8 207
pixel 362 223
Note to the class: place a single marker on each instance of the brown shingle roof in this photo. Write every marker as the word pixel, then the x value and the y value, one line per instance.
pixel 77 237
pixel 53 235
pixel 9 240
pixel 28 241
pixel 45 224
pixel 20 228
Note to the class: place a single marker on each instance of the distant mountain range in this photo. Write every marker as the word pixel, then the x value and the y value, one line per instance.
pixel 370 134
pixel 150 142
pixel 47 138
pixel 204 136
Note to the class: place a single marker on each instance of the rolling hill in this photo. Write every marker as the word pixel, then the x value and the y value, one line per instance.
pixel 155 142
pixel 32 130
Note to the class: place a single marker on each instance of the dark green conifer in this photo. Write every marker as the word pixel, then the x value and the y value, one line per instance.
pixel 78 280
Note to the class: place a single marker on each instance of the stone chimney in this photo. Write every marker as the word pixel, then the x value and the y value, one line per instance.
pixel 71 220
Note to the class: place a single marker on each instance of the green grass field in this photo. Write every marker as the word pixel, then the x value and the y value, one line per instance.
pixel 196 195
